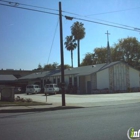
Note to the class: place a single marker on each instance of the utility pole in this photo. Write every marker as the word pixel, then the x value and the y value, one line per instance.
pixel 108 49
pixel 61 55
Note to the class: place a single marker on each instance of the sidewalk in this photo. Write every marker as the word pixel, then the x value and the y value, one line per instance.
pixel 52 107
pixel 75 101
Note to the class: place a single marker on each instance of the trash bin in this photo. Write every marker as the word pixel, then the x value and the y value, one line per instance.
pixel 7 94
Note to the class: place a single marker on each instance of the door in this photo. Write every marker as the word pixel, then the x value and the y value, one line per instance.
pixel 88 87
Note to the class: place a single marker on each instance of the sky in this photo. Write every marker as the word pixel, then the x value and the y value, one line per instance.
pixel 29 38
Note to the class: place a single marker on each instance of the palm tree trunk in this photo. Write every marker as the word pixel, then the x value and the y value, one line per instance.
pixel 78 42
pixel 72 58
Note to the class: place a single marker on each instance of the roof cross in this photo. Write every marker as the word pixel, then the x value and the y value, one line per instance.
pixel 107 36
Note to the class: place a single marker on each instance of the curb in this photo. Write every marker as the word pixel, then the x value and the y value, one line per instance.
pixel 39 109
pixel 7 105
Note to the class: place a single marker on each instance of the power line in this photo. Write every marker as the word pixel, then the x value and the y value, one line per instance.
pixel 67 11
pixel 52 42
pixel 15 6
pixel 133 29
pixel 113 11
pixel 9 2
pixel 115 23
pixel 100 20
pixel 72 13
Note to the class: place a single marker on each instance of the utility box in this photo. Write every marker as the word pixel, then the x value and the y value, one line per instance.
pixel 7 94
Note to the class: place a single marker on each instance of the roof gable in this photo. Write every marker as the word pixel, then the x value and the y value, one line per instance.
pixel 38 75
pixel 7 78
pixel 84 70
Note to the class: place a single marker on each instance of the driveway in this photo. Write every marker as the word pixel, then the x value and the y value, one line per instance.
pixel 86 100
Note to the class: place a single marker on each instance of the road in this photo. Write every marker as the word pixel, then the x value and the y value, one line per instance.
pixel 93 123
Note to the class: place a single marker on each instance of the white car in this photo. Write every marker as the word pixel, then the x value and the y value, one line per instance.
pixel 51 88
pixel 32 89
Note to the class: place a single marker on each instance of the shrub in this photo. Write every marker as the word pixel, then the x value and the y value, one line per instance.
pixel 23 99
pixel 28 100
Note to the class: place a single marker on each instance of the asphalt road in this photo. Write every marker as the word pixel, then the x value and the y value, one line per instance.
pixel 95 123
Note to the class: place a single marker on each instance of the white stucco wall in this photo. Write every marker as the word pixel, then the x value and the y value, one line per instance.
pixel 134 77
pixel 103 79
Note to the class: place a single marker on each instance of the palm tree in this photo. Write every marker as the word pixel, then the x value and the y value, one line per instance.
pixel 78 31
pixel 70 46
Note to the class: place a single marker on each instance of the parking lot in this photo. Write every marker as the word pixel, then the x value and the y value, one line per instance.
pixel 87 99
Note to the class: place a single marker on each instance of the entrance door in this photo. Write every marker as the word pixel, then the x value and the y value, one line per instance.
pixel 88 87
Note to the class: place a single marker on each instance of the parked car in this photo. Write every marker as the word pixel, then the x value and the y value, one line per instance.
pixel 51 88
pixel 32 89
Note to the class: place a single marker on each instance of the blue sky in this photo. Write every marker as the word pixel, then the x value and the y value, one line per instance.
pixel 26 36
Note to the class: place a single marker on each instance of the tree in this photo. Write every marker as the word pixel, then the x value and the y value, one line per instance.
pixel 128 50
pixel 101 54
pixel 88 60
pixel 98 56
pixel 78 31
pixel 39 67
pixel 54 65
pixel 65 66
pixel 70 46
pixel 48 67
pixel 51 66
